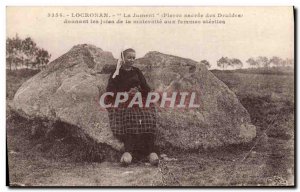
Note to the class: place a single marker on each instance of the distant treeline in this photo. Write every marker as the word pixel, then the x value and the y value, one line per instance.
pixel 24 53
pixel 258 62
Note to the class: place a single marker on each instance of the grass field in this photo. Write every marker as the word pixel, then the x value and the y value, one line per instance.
pixel 268 97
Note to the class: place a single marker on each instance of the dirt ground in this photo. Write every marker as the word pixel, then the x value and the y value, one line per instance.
pixel 270 164
pixel 270 102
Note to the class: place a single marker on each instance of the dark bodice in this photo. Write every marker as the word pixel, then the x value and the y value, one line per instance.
pixel 127 80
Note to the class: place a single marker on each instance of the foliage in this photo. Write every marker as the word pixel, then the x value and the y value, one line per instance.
pixel 15 78
pixel 255 62
pixel 205 63
pixel 251 61
pixel 24 53
pixel 225 62
pixel 262 61
pixel 237 62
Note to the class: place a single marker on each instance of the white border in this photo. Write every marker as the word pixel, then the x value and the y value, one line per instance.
pixel 5 3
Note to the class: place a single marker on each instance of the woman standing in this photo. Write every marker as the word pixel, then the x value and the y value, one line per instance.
pixel 135 126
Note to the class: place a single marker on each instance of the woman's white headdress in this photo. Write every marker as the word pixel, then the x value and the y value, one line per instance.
pixel 119 63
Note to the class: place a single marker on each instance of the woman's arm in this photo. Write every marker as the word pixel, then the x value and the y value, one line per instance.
pixel 111 87
pixel 145 88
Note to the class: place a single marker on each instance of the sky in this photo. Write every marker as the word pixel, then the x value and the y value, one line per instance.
pixel 261 31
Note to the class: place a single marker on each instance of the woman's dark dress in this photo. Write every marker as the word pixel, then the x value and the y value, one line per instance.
pixel 135 126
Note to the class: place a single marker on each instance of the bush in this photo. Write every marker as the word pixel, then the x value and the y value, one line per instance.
pixel 15 78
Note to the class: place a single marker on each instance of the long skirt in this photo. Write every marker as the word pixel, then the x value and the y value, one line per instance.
pixel 135 127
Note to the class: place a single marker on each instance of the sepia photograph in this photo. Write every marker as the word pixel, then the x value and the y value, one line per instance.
pixel 150 96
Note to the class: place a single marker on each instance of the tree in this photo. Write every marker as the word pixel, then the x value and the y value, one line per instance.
pixel 20 52
pixel 277 61
pixel 236 62
pixel 9 52
pixel 289 62
pixel 286 62
pixel 263 61
pixel 14 51
pixel 224 62
pixel 205 63
pixel 252 62
pixel 29 49
pixel 42 57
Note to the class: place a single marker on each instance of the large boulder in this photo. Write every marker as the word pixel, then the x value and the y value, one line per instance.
pixel 69 88
pixel 220 120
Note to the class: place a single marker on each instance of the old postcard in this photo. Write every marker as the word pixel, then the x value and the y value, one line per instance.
pixel 150 96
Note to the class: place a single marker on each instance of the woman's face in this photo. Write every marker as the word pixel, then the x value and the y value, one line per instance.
pixel 129 59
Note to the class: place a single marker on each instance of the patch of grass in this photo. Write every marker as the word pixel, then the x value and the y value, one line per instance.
pixel 263 70
pixel 265 97
pixel 15 78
